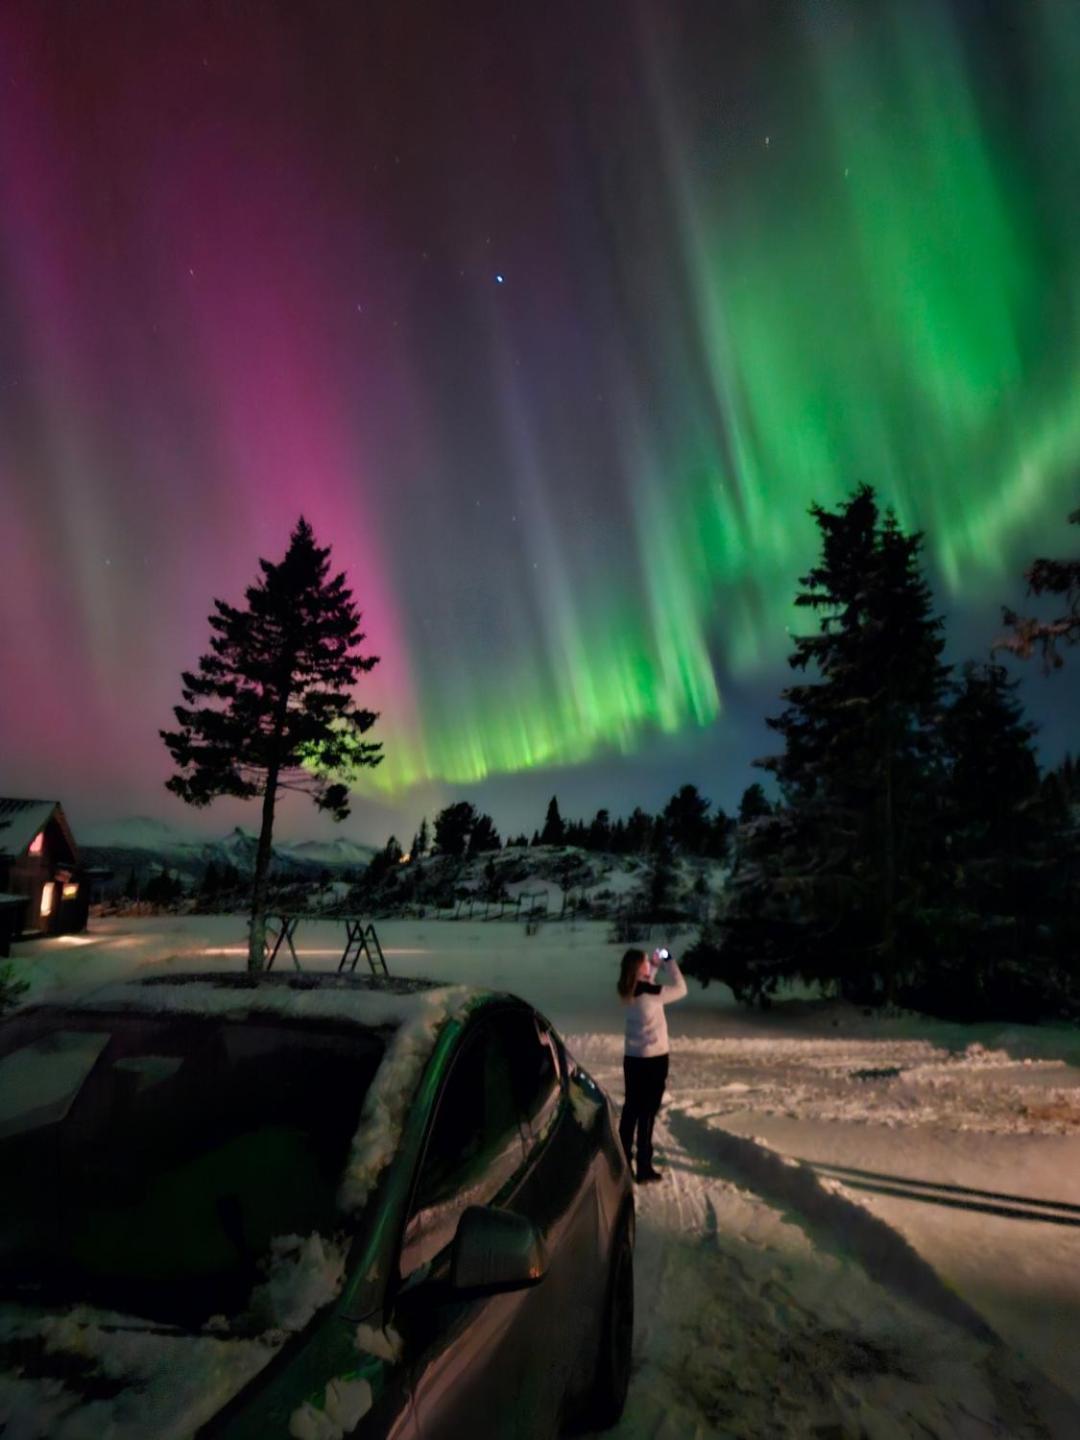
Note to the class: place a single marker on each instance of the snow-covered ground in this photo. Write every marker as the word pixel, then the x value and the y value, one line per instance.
pixel 869 1227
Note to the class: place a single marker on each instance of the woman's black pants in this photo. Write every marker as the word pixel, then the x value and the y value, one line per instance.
pixel 645 1077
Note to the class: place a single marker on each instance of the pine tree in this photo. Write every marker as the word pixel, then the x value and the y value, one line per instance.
pixel 599 834
pixel 484 836
pixel 861 766
pixel 1005 838
pixel 271 707
pixel 421 841
pixel 756 941
pixel 1047 577
pixel 718 840
pixel 383 864
pixel 453 827
pixel 687 817
pixel 554 831
pixel 754 804
pixel 639 829
pixel 660 881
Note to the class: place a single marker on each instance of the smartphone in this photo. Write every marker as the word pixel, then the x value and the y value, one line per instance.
pixel 664 954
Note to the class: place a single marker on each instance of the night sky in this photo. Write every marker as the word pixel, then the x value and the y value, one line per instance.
pixel 552 320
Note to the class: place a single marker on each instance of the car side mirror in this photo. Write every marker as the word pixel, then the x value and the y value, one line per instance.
pixel 495 1250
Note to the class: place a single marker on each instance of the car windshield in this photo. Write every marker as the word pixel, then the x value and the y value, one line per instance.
pixel 149 1161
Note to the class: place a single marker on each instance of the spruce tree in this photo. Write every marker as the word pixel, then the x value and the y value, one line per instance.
pixel 687 818
pixel 599 836
pixel 453 827
pixel 1005 838
pixel 639 829
pixel 554 831
pixel 271 708
pixel 753 804
pixel 755 942
pixel 718 839
pixel 861 766
pixel 484 836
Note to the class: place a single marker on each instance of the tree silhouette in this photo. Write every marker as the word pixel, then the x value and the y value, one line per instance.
pixel 271 707
pixel 484 836
pixel 687 818
pixel 1047 577
pixel 861 765
pixel 554 831
pixel 453 826
pixel 754 804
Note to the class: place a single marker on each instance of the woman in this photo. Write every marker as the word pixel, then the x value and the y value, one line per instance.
pixel 645 1059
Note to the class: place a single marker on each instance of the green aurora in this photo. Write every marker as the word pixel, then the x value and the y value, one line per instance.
pixel 881 286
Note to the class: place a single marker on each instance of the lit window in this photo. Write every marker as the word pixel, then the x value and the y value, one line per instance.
pixel 37 844
pixel 47 896
pixel 70 891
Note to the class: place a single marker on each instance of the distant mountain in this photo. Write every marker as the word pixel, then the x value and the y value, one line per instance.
pixel 138 832
pixel 145 846
pixel 330 853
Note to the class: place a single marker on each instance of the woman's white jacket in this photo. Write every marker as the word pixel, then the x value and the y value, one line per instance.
pixel 646 1023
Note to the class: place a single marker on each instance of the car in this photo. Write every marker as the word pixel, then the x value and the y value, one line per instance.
pixel 312 1205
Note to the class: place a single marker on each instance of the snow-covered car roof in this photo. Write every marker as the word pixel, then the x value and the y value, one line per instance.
pixel 373 1001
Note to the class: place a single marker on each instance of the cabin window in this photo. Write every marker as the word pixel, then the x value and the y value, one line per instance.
pixel 70 891
pixel 37 844
pixel 48 894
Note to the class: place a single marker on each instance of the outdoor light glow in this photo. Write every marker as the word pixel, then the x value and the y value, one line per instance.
pixel 37 845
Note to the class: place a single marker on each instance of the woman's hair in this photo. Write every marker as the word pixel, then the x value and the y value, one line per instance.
pixel 628 973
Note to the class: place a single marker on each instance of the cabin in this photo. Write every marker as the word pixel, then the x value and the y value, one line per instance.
pixel 41 886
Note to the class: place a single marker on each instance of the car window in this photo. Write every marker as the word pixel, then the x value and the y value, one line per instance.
pixel 220 1136
pixel 534 1070
pixel 474 1148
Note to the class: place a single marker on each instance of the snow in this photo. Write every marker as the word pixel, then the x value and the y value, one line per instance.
pixel 345 1403
pixel 869 1225
pixel 303 1275
pixel 387 1102
pixel 386 1343
pixel 173 1383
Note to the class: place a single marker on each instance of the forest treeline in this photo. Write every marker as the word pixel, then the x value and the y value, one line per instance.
pixel 910 850
pixel 914 852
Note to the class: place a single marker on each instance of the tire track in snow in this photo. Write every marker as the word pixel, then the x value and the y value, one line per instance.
pixel 756 1322
pixel 842 1224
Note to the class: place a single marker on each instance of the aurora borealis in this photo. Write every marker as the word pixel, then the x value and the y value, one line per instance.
pixel 552 321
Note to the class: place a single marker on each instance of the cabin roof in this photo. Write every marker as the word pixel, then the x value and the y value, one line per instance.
pixel 20 821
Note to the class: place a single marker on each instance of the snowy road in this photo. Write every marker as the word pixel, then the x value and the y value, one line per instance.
pixel 869 1228
pixel 783 1299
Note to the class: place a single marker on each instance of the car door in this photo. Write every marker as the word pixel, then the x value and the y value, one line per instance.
pixel 558 1194
pixel 465 1357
